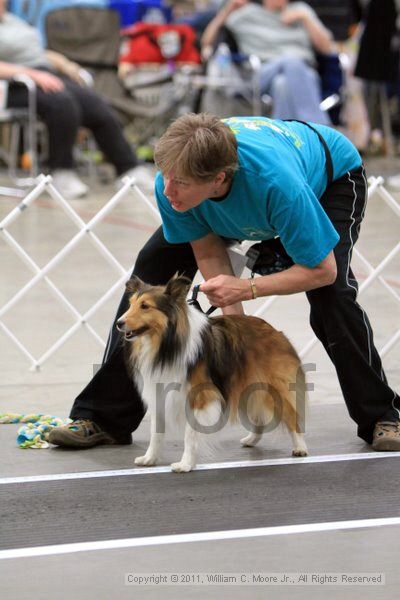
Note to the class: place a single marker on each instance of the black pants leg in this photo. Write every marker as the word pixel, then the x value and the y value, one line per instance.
pixel 342 325
pixel 98 116
pixel 64 112
pixel 62 117
pixel 111 399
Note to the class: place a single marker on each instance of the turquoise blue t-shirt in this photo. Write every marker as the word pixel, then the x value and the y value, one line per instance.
pixel 275 192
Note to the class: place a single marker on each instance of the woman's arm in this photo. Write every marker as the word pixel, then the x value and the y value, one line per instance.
pixel 47 81
pixel 213 28
pixel 67 67
pixel 213 261
pixel 8 70
pixel 321 38
pixel 225 290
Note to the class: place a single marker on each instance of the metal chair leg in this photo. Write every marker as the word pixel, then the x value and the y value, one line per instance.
pixel 386 120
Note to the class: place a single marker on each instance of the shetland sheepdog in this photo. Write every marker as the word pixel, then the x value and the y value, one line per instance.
pixel 220 368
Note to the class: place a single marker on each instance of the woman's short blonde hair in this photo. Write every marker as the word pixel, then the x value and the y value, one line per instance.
pixel 197 146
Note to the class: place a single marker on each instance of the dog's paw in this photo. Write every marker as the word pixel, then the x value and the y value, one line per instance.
pixel 299 452
pixel 250 440
pixel 181 467
pixel 145 460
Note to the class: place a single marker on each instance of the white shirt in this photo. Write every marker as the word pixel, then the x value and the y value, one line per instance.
pixel 260 31
pixel 20 44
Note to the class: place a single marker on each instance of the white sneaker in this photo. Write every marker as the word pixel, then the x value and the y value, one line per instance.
pixel 68 184
pixel 143 179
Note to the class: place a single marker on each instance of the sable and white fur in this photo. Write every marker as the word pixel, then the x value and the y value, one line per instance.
pixel 213 369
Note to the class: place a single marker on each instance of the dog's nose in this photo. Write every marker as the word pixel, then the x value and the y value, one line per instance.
pixel 120 324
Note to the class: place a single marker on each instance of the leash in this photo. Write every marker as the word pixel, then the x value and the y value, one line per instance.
pixel 328 156
pixel 194 302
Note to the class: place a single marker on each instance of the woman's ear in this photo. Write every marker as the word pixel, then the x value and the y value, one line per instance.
pixel 220 178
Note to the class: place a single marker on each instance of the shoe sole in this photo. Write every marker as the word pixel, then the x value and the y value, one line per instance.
pixel 387 445
pixel 69 440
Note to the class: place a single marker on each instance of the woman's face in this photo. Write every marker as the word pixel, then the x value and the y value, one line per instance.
pixel 275 5
pixel 184 193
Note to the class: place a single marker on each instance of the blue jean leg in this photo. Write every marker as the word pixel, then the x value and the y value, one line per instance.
pixel 294 88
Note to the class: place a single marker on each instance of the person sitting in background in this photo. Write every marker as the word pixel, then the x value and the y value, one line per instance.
pixel 64 105
pixel 285 39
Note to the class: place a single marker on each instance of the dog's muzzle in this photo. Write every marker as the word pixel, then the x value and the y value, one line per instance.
pixel 129 334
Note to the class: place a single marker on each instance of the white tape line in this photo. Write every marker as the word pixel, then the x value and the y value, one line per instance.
pixel 196 537
pixel 203 467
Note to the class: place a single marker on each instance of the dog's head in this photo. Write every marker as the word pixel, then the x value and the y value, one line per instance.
pixel 153 309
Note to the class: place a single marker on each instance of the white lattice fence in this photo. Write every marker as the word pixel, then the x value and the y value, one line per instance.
pixel 86 231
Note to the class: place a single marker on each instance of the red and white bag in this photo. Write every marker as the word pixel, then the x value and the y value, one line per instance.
pixel 146 43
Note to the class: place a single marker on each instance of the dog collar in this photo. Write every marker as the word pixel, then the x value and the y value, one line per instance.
pixel 194 302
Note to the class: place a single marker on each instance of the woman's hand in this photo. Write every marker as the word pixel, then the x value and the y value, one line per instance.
pixel 320 37
pixel 292 15
pixel 46 81
pixel 226 290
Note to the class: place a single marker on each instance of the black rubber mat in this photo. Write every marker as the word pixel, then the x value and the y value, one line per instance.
pixel 36 514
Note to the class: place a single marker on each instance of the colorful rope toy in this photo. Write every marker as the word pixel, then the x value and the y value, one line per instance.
pixel 34 433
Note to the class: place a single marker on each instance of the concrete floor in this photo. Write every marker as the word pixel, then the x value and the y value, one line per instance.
pixel 38 320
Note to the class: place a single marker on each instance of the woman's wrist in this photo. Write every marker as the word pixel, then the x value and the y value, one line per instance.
pixel 249 289
pixel 253 288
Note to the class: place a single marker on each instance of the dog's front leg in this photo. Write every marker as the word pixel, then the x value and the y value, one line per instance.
pixel 188 460
pixel 154 451
pixel 204 410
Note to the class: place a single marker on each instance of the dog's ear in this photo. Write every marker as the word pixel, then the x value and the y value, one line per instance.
pixel 178 286
pixel 133 285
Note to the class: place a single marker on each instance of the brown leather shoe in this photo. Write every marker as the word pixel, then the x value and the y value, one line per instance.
pixel 386 436
pixel 82 433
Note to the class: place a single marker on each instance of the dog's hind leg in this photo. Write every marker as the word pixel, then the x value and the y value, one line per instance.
pixel 294 411
pixel 251 440
pixel 293 421
pixel 288 409
pixel 253 416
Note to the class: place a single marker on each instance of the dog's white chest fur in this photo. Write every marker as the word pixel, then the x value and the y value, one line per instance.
pixel 165 389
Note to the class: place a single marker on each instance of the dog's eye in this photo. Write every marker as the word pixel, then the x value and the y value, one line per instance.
pixel 145 306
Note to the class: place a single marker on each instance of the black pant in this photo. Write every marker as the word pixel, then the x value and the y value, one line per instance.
pixel 64 112
pixel 111 400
